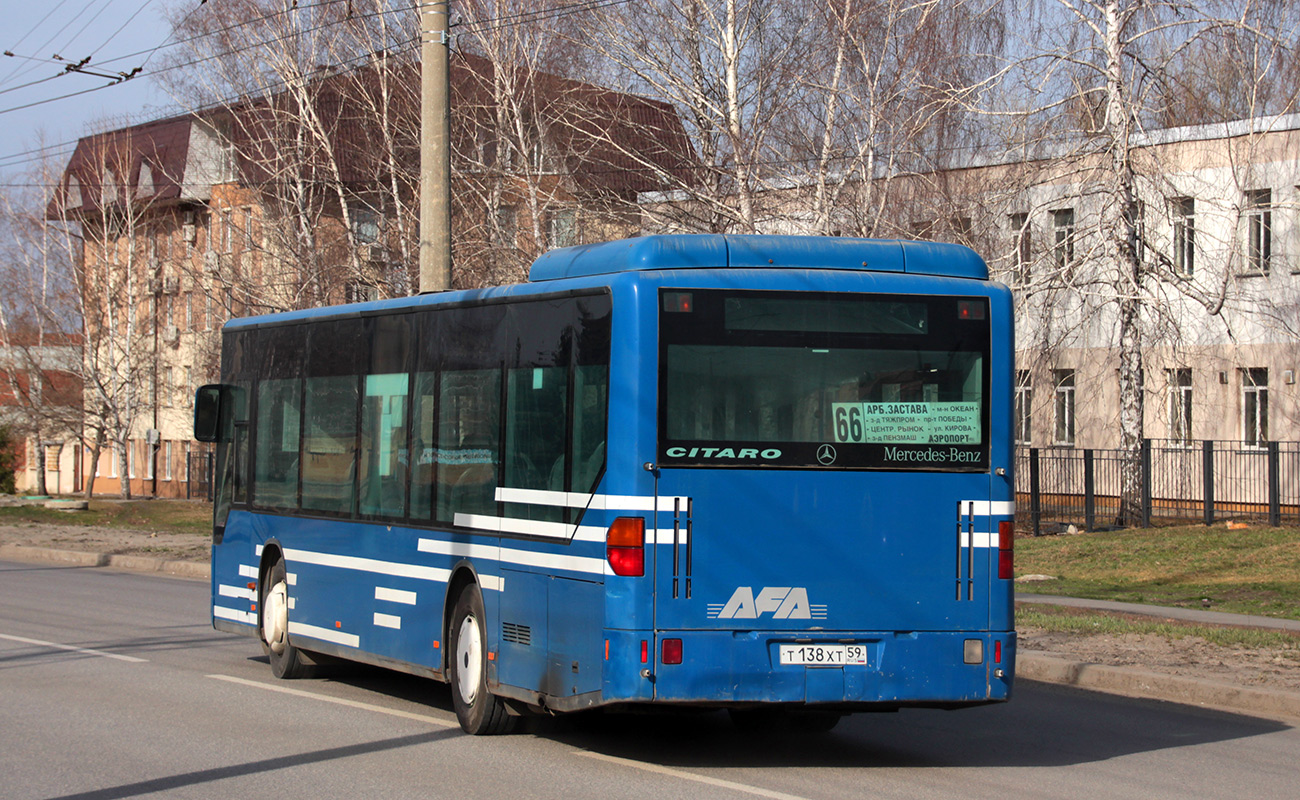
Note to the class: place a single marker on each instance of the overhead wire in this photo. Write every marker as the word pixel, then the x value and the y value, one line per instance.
pixel 490 23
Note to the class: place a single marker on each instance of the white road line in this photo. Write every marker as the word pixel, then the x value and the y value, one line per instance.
pixel 392 712
pixel 691 776
pixel 85 650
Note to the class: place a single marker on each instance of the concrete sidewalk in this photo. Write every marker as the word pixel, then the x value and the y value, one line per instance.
pixel 1127 681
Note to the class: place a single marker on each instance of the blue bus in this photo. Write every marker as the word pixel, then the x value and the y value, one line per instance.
pixel 766 474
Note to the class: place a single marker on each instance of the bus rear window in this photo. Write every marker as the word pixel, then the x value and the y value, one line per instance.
pixel 824 381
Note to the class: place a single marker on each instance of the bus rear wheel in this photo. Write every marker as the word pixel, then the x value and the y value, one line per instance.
pixel 287 661
pixel 480 712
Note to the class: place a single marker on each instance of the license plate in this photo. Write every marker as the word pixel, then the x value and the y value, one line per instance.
pixel 823 655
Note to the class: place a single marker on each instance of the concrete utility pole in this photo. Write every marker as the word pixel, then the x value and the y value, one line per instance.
pixel 435 147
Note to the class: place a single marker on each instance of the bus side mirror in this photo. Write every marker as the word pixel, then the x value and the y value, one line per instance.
pixel 207 412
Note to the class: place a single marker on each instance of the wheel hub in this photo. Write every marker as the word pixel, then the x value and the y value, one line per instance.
pixel 275 617
pixel 469 658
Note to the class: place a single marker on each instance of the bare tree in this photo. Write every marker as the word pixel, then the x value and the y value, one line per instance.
pixel 40 352
pixel 1080 93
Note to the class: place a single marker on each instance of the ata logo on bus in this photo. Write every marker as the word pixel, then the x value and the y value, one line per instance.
pixel 782 602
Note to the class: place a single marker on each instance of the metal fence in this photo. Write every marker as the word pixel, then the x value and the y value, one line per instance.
pixel 1192 482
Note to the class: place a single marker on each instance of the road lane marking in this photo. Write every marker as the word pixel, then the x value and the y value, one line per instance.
pixel 691 776
pixel 83 650
pixel 392 712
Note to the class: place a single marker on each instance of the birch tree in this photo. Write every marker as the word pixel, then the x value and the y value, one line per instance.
pixel 1081 93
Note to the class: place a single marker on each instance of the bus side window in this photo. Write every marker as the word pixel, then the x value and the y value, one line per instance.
pixel 424 442
pixel 535 426
pixel 590 401
pixel 330 406
pixel 279 412
pixel 468 449
pixel 384 457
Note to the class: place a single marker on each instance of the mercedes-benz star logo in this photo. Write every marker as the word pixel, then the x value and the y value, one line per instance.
pixel 826 455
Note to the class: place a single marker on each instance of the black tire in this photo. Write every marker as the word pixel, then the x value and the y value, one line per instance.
pixel 287 661
pixel 480 712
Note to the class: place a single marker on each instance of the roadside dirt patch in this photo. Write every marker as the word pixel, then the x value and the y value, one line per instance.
pixel 84 538
pixel 1189 656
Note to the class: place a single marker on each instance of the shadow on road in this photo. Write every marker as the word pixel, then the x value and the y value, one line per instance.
pixel 1044 726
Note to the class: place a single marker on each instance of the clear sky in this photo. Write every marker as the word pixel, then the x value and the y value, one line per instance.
pixel 45 36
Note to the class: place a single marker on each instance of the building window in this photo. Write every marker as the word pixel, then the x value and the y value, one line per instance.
pixel 227 225
pixel 365 225
pixel 961 229
pixel 1021 249
pixel 1064 381
pixel 1254 406
pixel 52 457
pixel 1180 405
pixel 130 459
pixel 1024 407
pixel 167 460
pixel 74 193
pixel 360 292
pixel 185 465
pixel 562 227
pixel 1259 231
pixel 504 233
pixel 1183 211
pixel 1063 238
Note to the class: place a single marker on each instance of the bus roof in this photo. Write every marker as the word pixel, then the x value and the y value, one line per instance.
pixel 729 251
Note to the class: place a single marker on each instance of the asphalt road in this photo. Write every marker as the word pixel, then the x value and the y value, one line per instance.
pixel 114 685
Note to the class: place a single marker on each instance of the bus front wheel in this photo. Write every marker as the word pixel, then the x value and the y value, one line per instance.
pixel 479 711
pixel 287 661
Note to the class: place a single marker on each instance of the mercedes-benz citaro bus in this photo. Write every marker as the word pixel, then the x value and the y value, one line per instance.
pixel 767 474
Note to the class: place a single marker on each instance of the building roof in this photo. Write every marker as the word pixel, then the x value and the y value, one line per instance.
pixel 148 159
pixel 595 130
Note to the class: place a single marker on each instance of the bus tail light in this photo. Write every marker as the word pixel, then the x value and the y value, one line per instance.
pixel 625 546
pixel 1006 549
pixel 671 651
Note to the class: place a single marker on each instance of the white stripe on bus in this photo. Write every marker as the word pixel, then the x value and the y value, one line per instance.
pixel 239 592
pixel 246 617
pixel 395 569
pixel 325 634
pixel 395 595
pixel 530 527
pixel 247 571
pixel 487 552
pixel 985 508
pixel 596 502
pixel 388 621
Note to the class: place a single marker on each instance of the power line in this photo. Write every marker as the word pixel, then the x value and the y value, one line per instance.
pixel 504 21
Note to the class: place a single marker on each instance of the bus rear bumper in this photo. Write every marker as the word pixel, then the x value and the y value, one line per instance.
pixel 723 668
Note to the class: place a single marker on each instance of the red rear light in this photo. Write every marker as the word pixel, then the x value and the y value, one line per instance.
pixel 671 651
pixel 1006 549
pixel 625 546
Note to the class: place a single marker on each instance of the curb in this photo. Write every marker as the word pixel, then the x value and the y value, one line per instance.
pixel 1135 682
pixel 180 569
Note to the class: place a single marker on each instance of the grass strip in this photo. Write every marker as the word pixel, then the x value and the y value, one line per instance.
pixel 1255 570
pixel 1085 622
pixel 162 516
